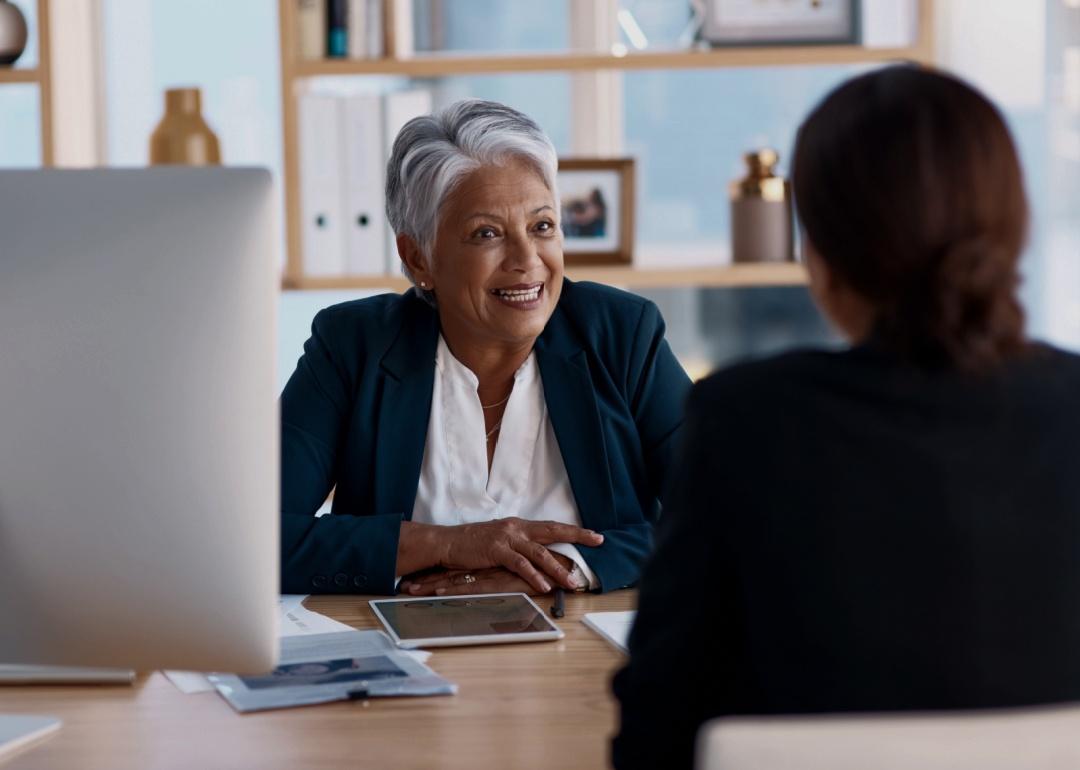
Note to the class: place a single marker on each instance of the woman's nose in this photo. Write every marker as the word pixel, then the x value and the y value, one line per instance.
pixel 522 254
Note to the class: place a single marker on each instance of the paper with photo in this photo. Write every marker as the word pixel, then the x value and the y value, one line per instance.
pixel 319 668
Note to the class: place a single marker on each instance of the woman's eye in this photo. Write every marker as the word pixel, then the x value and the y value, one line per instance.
pixel 545 227
pixel 485 233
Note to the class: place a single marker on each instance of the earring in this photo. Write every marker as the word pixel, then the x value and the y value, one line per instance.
pixel 423 285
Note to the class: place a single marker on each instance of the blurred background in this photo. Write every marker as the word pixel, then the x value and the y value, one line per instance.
pixel 686 127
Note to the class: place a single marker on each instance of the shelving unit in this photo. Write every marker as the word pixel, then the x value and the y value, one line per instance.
pixel 19 75
pixel 295 72
pixel 438 65
pixel 41 76
pixel 729 276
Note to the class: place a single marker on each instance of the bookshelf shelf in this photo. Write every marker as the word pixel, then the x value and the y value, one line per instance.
pixel 448 64
pixel 297 73
pixel 15 75
pixel 726 276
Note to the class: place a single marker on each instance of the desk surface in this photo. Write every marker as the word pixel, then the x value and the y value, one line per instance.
pixel 519 706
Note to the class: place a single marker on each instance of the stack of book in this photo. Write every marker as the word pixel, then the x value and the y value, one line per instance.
pixel 355 29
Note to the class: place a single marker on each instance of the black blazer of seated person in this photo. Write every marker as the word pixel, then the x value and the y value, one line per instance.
pixel 891 527
pixel 497 428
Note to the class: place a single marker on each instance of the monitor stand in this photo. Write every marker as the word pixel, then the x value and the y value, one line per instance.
pixel 19 731
pixel 17 674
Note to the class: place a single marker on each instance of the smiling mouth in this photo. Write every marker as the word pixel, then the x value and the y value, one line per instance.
pixel 522 294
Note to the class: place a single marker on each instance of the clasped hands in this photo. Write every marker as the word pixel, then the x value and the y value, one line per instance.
pixel 502 555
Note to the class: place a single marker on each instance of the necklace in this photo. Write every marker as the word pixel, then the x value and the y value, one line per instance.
pixel 499 403
pixel 495 428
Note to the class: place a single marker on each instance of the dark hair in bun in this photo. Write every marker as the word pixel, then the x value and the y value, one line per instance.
pixel 908 185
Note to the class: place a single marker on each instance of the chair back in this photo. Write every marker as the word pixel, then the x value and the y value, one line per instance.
pixel 1035 738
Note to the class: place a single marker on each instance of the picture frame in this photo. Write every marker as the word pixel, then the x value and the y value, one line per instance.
pixel 596 200
pixel 730 23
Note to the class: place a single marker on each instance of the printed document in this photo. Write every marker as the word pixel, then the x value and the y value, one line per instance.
pixel 318 668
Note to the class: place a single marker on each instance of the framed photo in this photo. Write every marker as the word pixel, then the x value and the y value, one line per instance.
pixel 597 202
pixel 780 22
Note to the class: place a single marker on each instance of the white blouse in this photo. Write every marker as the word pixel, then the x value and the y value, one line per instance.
pixel 527 479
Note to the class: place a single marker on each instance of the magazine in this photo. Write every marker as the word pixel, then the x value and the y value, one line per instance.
pixel 319 668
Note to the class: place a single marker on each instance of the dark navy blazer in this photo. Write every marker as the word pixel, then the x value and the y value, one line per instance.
pixel 355 414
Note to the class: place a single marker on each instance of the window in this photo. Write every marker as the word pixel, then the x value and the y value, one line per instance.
pixel 20 130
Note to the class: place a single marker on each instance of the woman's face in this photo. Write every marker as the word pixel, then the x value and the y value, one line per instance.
pixel 497 265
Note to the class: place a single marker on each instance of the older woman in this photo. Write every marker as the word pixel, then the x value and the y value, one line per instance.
pixel 889 527
pixel 495 428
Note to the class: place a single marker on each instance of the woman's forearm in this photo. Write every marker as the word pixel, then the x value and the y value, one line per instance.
pixel 418 547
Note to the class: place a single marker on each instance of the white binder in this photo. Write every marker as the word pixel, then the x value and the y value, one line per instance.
pixel 364 173
pixel 399 107
pixel 321 220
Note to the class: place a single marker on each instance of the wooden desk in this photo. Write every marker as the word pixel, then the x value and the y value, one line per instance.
pixel 519 706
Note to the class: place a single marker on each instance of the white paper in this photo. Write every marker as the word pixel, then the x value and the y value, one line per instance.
pixel 319 668
pixel 613 626
pixel 296 619
pixel 189 682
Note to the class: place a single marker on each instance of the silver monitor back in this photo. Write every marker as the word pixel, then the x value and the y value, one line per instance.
pixel 138 419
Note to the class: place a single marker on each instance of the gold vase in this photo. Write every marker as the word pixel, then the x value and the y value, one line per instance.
pixel 182 137
pixel 12 33
pixel 761 212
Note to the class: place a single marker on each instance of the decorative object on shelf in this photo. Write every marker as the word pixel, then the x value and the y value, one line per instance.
pixel 761 212
pixel 597 202
pixel 13 33
pixel 781 22
pixel 182 137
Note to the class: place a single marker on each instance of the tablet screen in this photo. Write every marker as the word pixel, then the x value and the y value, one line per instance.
pixel 461 616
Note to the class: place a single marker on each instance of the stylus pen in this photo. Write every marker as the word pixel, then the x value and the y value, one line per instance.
pixel 558 609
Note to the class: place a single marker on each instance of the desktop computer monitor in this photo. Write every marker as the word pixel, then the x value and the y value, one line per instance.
pixel 138 419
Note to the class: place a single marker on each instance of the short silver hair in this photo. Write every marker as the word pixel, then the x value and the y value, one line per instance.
pixel 433 153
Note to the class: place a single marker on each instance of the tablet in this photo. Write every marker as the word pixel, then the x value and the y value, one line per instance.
pixel 458 620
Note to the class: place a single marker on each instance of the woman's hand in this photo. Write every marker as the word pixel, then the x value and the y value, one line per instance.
pixel 493 580
pixel 513 544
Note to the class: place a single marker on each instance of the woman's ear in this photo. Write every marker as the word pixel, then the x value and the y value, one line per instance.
pixel 851 313
pixel 413 259
pixel 822 280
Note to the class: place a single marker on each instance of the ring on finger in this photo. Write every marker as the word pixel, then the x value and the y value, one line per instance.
pixel 468 578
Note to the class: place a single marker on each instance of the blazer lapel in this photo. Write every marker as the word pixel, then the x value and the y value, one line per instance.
pixel 408 369
pixel 575 418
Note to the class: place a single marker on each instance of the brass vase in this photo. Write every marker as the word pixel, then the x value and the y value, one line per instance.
pixel 12 33
pixel 182 137
pixel 762 227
